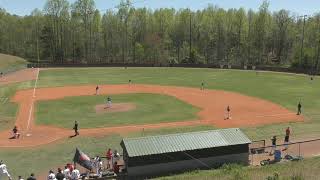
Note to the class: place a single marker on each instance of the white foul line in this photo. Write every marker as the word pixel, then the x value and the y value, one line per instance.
pixel 32 102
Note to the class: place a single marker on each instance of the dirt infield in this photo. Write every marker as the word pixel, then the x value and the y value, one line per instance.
pixel 245 111
pixel 116 107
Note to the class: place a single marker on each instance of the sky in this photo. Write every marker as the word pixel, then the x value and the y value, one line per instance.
pixel 308 7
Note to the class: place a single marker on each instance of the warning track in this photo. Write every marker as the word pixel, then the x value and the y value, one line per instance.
pixel 246 111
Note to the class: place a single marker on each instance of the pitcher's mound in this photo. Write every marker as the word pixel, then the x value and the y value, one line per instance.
pixel 120 107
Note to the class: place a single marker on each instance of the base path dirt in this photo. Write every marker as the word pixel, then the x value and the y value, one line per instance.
pixel 245 111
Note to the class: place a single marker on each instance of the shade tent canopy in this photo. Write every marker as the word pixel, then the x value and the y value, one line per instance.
pixel 151 145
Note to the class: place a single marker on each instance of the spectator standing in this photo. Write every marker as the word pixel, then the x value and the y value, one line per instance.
pixel 116 156
pixel 31 177
pixel 51 175
pixel 75 175
pixel 60 175
pixel 66 172
pixel 3 171
pixel 109 159
pixel 287 138
pixel 274 144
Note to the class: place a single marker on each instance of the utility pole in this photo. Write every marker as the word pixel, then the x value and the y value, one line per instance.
pixel 317 60
pixel 190 43
pixel 249 40
pixel 38 52
pixel 302 39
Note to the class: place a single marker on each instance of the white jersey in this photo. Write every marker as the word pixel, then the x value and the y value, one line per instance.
pixel 75 175
pixel 52 176
pixel 66 173
pixel 4 171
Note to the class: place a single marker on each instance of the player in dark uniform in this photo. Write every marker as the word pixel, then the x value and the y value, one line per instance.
pixel 16 134
pixel 75 128
pixel 202 86
pixel 97 90
pixel 299 108
pixel 130 81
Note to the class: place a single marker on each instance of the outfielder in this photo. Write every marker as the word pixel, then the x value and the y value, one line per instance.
pixel 299 108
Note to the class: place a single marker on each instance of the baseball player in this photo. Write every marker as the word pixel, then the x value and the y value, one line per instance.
pixel 202 86
pixel 75 174
pixel 75 128
pixel 228 113
pixel 51 175
pixel 299 108
pixel 3 171
pixel 97 90
pixel 16 134
pixel 109 102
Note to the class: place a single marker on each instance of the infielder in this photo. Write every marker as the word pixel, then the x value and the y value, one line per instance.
pixel 228 116
pixel 97 90
pixel 109 102
pixel 75 128
pixel 202 86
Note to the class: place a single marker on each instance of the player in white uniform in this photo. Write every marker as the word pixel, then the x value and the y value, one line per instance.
pixel 75 175
pixel 51 176
pixel 3 171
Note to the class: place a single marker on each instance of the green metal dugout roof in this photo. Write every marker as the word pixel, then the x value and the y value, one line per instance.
pixel 143 146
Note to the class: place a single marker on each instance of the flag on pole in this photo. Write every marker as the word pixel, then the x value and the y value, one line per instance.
pixel 82 159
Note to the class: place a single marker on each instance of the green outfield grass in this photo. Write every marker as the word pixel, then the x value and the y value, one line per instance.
pixel 11 63
pixel 150 108
pixel 283 89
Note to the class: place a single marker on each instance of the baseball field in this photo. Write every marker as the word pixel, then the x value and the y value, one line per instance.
pixel 44 103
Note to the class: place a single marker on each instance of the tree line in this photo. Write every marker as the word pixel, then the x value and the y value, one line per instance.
pixel 80 33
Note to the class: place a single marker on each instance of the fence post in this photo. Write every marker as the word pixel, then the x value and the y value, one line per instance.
pixel 251 158
pixel 299 149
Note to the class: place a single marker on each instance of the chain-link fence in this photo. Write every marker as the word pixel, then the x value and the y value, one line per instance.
pixel 260 154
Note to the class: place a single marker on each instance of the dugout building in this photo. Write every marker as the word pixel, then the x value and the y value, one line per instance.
pixel 173 153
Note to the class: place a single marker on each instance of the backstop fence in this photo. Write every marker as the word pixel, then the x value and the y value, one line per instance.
pixel 292 151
